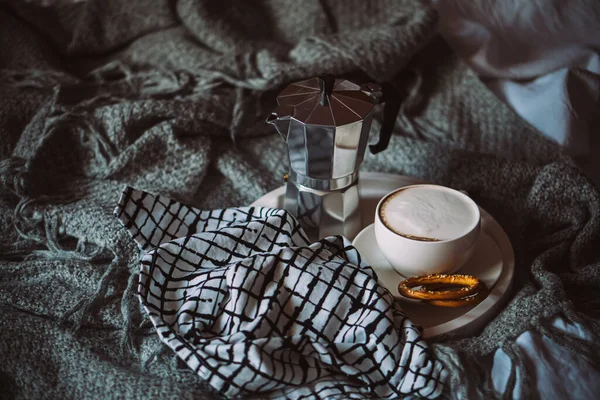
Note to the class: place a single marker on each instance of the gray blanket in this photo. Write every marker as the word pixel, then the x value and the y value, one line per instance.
pixel 170 97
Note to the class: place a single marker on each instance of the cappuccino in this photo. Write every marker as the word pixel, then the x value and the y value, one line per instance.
pixel 429 213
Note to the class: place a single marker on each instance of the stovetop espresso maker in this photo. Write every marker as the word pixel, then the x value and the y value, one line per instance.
pixel 326 123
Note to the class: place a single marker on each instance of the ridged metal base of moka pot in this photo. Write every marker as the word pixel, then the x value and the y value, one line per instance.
pixel 324 207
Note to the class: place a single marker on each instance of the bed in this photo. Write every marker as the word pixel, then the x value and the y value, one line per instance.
pixel 170 97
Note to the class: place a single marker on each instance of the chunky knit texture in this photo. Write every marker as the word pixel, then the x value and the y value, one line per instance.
pixel 171 97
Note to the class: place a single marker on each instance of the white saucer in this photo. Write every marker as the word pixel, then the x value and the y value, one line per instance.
pixel 486 263
pixel 493 262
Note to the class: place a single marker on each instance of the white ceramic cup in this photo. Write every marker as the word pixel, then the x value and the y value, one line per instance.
pixel 412 257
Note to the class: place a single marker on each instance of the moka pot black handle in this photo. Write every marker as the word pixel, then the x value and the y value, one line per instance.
pixel 391 98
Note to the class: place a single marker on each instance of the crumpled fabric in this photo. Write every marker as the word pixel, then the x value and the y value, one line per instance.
pixel 540 58
pixel 252 307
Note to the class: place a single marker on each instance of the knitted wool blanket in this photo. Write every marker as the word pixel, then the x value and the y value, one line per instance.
pixel 170 97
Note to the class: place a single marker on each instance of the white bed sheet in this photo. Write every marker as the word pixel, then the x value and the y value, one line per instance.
pixel 542 58
pixel 558 373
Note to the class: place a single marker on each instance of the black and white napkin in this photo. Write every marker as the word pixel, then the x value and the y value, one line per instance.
pixel 255 309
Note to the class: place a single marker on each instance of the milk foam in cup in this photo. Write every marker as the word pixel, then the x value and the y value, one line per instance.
pixel 425 229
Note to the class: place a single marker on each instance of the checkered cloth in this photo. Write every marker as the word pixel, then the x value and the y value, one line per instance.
pixel 252 307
